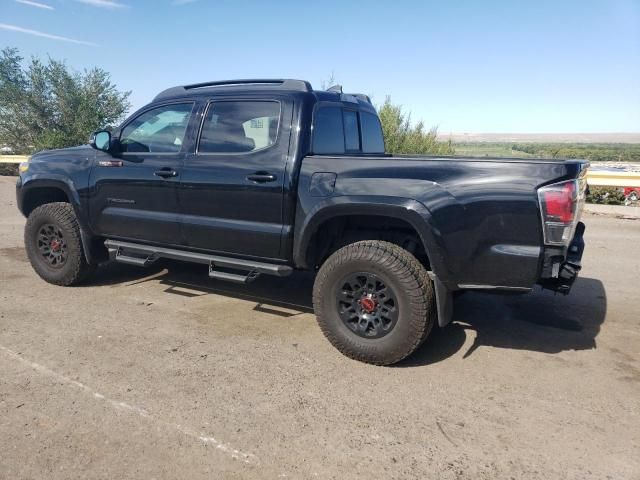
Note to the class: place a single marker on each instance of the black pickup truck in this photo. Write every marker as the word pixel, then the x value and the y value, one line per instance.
pixel 253 177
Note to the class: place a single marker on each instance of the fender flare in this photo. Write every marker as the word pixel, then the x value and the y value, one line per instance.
pixel 413 212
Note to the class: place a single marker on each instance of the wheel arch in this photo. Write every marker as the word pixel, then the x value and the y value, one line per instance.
pixel 409 212
pixel 38 192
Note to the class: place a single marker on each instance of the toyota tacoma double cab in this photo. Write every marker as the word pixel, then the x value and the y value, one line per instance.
pixel 264 177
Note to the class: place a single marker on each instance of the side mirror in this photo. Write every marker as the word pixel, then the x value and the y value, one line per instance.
pixel 101 140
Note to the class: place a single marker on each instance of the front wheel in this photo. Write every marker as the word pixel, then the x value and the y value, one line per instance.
pixel 374 302
pixel 53 244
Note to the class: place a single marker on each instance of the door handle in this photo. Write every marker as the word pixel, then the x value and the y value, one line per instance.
pixel 166 173
pixel 262 177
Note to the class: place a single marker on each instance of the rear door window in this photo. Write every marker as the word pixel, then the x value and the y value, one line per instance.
pixel 239 127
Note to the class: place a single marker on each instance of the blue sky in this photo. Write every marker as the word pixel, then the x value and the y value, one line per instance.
pixel 467 66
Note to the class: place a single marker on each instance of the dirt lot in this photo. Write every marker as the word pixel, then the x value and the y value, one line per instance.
pixel 164 373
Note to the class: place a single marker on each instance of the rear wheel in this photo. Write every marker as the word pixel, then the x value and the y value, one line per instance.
pixel 53 244
pixel 374 302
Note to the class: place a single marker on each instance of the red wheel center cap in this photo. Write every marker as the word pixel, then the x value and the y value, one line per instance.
pixel 55 245
pixel 368 304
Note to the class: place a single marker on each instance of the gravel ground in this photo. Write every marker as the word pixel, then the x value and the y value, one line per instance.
pixel 164 373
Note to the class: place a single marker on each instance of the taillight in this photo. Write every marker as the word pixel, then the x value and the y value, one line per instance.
pixel 558 201
pixel 561 204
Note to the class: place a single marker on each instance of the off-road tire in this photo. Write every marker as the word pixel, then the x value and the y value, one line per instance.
pixel 75 268
pixel 407 278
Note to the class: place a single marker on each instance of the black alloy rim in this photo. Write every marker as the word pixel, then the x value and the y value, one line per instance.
pixel 367 305
pixel 52 245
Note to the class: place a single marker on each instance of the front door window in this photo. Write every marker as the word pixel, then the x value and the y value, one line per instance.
pixel 160 130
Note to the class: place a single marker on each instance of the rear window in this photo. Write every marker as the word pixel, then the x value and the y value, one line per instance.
pixel 372 139
pixel 351 132
pixel 337 131
pixel 328 136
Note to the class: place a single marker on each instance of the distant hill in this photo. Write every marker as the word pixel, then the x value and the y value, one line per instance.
pixel 542 137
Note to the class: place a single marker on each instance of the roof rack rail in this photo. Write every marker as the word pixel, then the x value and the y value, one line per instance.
pixel 285 84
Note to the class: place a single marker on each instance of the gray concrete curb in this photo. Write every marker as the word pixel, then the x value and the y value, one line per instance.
pixel 615 210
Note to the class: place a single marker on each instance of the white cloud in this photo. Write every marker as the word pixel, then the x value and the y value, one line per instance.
pixel 36 4
pixel 110 4
pixel 36 33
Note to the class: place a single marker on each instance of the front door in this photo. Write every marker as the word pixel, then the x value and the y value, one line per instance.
pixel 135 194
pixel 231 191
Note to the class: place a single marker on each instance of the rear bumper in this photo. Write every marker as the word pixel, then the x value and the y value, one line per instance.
pixel 561 267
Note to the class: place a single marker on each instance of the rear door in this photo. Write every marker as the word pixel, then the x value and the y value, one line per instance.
pixel 135 194
pixel 231 190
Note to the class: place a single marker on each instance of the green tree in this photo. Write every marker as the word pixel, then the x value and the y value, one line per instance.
pixel 400 136
pixel 329 82
pixel 46 105
pixel 403 137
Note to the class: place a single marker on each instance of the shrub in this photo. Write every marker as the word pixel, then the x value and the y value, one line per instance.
pixel 605 195
pixel 10 169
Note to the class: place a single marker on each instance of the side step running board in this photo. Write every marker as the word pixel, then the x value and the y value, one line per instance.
pixel 233 277
pixel 144 255
pixel 139 261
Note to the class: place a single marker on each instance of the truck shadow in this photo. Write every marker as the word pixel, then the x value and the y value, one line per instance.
pixel 292 293
pixel 539 321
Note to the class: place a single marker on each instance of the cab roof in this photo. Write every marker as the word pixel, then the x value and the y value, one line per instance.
pixel 334 94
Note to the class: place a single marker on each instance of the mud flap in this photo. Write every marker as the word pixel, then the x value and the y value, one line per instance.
pixel 444 302
pixel 94 251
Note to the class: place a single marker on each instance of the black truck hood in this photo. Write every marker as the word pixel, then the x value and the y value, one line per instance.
pixel 81 152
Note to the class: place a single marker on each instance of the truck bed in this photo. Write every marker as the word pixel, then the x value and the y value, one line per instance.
pixel 482 214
